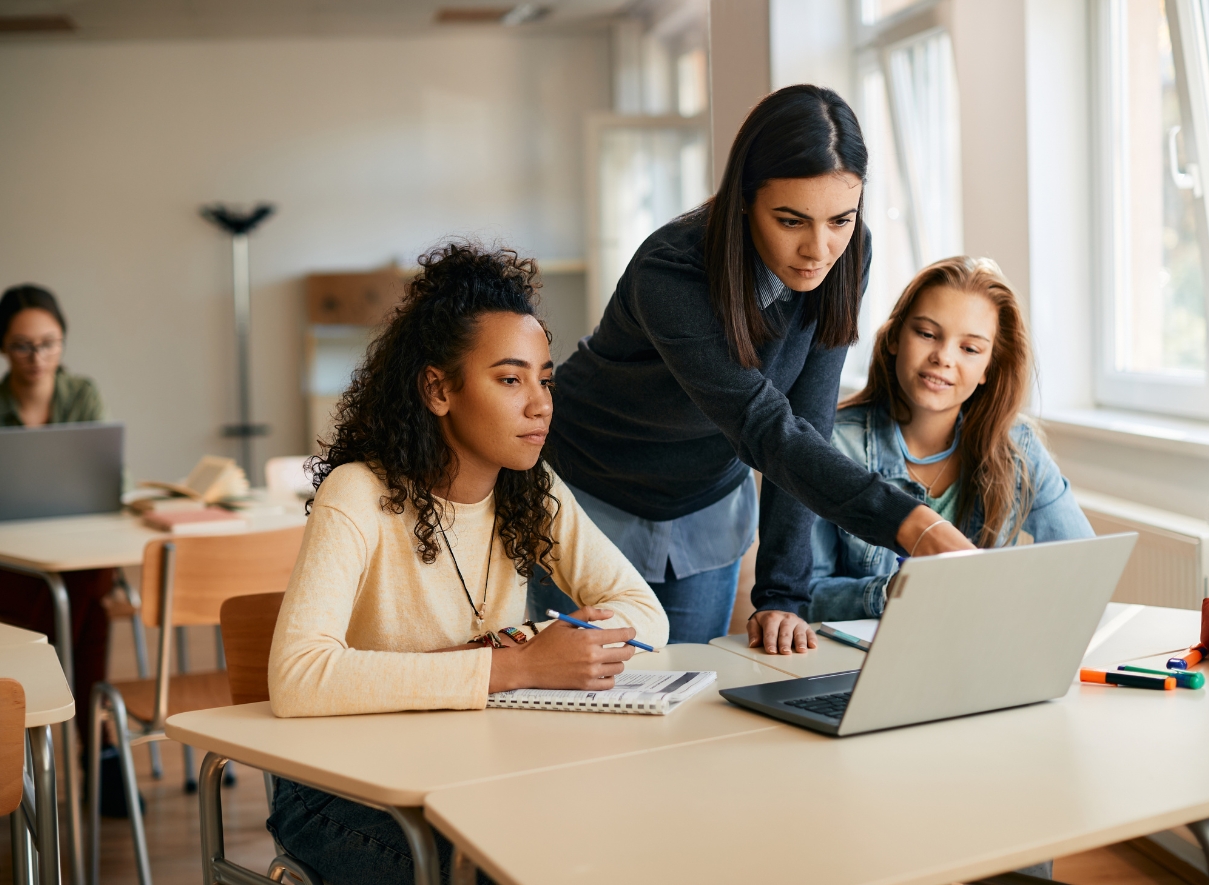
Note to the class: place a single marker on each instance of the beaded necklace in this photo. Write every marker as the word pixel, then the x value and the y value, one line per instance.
pixel 481 612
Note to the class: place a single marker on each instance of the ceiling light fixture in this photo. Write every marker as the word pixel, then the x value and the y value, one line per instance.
pixel 35 24
pixel 509 16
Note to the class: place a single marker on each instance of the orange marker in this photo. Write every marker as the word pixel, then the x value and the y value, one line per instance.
pixel 1128 680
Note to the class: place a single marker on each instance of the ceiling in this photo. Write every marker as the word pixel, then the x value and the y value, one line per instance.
pixel 186 19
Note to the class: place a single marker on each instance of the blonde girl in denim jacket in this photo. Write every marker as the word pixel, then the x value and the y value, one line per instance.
pixel 940 418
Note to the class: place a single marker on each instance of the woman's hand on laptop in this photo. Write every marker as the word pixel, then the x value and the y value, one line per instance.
pixel 780 633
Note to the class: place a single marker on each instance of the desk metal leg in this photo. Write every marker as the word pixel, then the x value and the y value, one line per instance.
pixel 1200 829
pixel 71 743
pixel 464 871
pixel 46 805
pixel 23 848
pixel 217 870
pixel 423 845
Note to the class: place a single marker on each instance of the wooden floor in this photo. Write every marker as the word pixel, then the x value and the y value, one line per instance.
pixel 172 817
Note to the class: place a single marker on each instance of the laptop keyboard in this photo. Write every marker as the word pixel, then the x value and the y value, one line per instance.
pixel 830 705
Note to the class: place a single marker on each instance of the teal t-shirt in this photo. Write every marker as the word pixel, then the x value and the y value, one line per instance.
pixel 946 504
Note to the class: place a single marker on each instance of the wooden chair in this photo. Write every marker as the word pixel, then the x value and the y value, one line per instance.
pixel 187 580
pixel 247 634
pixel 12 773
pixel 12 744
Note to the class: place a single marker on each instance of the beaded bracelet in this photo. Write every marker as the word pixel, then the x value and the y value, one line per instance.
pixel 532 626
pixel 514 634
pixel 487 639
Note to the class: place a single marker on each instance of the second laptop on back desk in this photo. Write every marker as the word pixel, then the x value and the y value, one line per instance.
pixel 963 633
pixel 61 470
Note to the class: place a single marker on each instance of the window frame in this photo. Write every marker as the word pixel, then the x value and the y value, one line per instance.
pixel 1173 394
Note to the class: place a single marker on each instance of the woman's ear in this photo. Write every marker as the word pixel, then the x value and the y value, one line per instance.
pixel 436 391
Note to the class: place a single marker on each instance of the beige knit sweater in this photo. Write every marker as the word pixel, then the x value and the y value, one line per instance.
pixel 362 608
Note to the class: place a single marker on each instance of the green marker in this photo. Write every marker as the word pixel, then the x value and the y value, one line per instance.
pixel 1183 678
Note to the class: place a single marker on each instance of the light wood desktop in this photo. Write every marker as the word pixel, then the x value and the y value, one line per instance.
pixel 48 701
pixel 395 760
pixel 828 657
pixel 45 549
pixel 10 635
pixel 936 803
pixel 1126 632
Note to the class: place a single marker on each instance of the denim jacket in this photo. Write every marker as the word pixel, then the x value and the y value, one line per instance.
pixel 850 576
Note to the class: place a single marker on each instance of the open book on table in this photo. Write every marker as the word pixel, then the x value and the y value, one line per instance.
pixel 656 692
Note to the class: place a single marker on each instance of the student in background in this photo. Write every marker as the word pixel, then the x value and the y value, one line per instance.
pixel 720 351
pixel 432 507
pixel 940 419
pixel 37 391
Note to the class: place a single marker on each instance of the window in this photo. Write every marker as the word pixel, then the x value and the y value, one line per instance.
pixel 649 160
pixel 892 60
pixel 906 98
pixel 648 171
pixel 1152 76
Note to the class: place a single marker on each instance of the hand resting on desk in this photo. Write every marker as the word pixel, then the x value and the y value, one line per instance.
pixel 780 632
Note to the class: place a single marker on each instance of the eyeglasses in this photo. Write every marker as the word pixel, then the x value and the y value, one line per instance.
pixel 26 349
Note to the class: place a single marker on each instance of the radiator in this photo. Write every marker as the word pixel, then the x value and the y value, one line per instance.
pixel 1169 565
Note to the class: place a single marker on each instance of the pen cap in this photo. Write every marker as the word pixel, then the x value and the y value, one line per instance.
pixel 1205 622
pixel 1193 678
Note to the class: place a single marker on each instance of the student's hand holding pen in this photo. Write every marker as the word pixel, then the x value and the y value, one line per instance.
pixel 563 656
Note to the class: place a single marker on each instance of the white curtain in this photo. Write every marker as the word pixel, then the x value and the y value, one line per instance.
pixel 923 92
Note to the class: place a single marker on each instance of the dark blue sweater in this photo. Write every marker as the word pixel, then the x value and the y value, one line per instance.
pixel 653 416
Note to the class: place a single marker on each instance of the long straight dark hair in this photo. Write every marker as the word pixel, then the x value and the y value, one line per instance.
pixel 795 132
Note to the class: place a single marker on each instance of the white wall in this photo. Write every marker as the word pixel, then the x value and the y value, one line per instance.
pixel 988 50
pixel 739 70
pixel 372 149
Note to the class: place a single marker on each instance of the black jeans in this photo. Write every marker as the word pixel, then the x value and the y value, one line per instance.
pixel 347 843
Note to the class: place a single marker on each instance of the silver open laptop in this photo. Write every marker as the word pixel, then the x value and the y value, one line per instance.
pixel 60 470
pixel 963 633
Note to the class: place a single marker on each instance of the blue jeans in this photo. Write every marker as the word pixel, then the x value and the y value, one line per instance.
pixel 346 843
pixel 698 607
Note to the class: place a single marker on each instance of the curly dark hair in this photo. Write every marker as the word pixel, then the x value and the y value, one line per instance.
pixel 383 419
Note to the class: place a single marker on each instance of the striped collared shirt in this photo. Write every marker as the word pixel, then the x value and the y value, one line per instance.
pixel 769 287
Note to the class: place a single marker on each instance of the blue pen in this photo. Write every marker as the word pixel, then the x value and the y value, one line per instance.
pixel 578 623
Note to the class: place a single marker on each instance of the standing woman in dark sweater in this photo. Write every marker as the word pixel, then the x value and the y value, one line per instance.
pixel 720 351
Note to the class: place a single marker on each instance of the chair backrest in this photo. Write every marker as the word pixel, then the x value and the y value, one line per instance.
pixel 12 744
pixel 288 473
pixel 247 637
pixel 208 570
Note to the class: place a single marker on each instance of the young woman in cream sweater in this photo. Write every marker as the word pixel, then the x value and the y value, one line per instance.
pixel 432 509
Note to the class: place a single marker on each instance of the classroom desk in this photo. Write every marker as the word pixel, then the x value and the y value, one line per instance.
pixel 935 803
pixel 48 701
pixel 1125 632
pixel 393 761
pixel 45 548
pixel 10 635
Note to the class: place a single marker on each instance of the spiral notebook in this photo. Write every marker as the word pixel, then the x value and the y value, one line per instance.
pixel 653 692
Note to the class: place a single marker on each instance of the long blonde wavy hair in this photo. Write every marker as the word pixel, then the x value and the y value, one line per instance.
pixel 990 460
